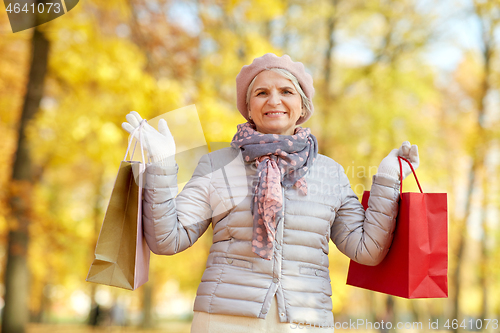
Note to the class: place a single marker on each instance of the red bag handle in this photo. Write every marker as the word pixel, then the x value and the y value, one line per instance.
pixel 401 174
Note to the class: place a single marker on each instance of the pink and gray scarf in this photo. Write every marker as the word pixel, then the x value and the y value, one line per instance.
pixel 281 160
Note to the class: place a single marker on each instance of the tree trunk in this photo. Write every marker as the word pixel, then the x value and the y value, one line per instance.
pixel 98 218
pixel 330 30
pixel 389 314
pixel 15 315
pixel 484 255
pixel 478 157
pixel 286 33
pixel 147 305
pixel 140 40
pixel 328 68
pixel 457 282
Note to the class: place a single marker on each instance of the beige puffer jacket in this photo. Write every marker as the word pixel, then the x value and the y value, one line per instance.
pixel 237 281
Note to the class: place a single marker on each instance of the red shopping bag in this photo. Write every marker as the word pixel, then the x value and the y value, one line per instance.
pixel 416 265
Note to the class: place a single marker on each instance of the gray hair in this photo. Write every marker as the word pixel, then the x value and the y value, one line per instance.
pixel 306 104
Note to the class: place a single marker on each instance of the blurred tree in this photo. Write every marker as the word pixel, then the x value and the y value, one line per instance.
pixel 77 139
pixel 15 314
pixel 478 143
pixel 147 305
pixel 15 51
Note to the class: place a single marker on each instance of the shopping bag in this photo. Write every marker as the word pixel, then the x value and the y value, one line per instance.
pixel 416 265
pixel 121 254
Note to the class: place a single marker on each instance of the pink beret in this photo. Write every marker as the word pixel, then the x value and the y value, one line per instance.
pixel 267 61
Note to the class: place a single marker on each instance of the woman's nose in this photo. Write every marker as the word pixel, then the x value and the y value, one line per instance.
pixel 274 99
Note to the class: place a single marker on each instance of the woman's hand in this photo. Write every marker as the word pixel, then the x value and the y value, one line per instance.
pixel 159 144
pixel 390 165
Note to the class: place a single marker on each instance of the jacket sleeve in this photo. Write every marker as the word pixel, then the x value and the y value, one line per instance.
pixel 172 224
pixel 365 237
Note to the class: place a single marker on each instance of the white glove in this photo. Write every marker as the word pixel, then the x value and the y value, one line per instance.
pixel 390 164
pixel 159 144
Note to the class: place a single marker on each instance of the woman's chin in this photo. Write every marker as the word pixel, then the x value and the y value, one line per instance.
pixel 278 128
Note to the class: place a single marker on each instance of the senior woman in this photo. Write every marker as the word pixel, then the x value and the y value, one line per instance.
pixel 273 203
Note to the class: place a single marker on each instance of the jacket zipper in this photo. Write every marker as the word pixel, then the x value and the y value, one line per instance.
pixel 283 205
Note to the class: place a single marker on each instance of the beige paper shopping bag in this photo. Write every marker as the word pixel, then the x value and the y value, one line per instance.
pixel 121 254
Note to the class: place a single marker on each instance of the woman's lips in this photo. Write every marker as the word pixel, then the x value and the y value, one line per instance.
pixel 275 114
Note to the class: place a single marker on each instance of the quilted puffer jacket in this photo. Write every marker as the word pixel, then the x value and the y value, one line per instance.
pixel 237 281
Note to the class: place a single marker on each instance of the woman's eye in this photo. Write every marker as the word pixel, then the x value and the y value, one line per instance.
pixel 260 93
pixel 287 92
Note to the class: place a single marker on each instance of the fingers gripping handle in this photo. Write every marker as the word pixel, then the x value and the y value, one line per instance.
pixel 401 174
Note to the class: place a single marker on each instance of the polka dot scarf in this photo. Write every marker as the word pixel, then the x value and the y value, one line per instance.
pixel 281 160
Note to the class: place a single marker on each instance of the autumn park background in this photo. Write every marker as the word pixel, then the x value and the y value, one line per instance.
pixel 384 72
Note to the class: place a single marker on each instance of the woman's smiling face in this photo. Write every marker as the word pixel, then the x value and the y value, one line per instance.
pixel 275 105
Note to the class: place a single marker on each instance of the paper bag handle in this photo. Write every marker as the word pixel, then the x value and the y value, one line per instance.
pixel 401 174
pixel 138 128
